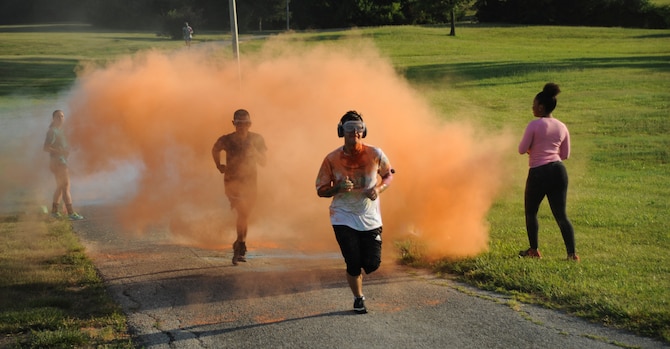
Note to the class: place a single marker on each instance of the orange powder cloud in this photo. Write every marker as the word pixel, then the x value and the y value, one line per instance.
pixel 160 113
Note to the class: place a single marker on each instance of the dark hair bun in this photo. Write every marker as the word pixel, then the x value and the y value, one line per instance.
pixel 551 89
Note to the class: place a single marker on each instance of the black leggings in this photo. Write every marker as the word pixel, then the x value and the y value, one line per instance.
pixel 550 180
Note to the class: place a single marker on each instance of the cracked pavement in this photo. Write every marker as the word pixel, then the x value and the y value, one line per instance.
pixel 185 297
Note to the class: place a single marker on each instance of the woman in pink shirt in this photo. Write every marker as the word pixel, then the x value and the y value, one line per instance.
pixel 547 142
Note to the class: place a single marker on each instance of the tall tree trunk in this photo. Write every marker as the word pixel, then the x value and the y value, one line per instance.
pixel 453 24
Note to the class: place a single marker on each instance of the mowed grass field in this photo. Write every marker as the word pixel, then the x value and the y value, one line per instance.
pixel 615 101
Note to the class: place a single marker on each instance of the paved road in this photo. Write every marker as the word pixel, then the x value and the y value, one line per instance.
pixel 185 297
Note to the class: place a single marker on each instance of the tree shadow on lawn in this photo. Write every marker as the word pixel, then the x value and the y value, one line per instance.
pixel 36 75
pixel 156 38
pixel 27 305
pixel 483 70
pixel 50 28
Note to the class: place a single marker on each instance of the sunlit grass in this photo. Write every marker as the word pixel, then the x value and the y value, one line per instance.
pixel 34 62
pixel 615 101
pixel 50 293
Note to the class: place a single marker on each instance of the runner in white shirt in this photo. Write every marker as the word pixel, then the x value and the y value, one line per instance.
pixel 354 175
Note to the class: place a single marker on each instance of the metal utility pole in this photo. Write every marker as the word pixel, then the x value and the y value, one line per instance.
pixel 233 30
pixel 233 27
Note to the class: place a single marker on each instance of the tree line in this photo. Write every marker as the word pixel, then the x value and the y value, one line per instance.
pixel 603 13
pixel 266 15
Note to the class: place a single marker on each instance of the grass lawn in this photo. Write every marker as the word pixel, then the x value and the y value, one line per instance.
pixel 50 293
pixel 615 101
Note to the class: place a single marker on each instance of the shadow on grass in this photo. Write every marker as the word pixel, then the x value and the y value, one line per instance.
pixel 323 37
pixel 24 305
pixel 36 76
pixel 478 71
pixel 654 36
pixel 157 38
pixel 49 28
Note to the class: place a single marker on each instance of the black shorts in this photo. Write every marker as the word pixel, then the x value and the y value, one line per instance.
pixel 360 249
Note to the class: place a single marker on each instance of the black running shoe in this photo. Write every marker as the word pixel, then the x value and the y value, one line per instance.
pixel 243 251
pixel 236 252
pixel 359 305
pixel 239 250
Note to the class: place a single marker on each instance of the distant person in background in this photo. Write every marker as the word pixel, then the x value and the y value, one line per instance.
pixel 244 151
pixel 188 34
pixel 547 142
pixel 57 147
pixel 354 175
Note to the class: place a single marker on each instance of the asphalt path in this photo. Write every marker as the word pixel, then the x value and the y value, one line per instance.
pixel 185 297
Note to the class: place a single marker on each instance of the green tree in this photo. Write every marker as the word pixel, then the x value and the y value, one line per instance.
pixel 437 11
pixel 41 11
pixel 173 21
pixel 620 13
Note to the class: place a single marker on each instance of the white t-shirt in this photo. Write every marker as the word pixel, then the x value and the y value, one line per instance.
pixel 354 209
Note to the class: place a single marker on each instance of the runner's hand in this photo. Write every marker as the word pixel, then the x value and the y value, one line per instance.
pixel 344 186
pixel 372 194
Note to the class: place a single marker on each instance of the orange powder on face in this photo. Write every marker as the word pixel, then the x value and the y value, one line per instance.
pixel 162 112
